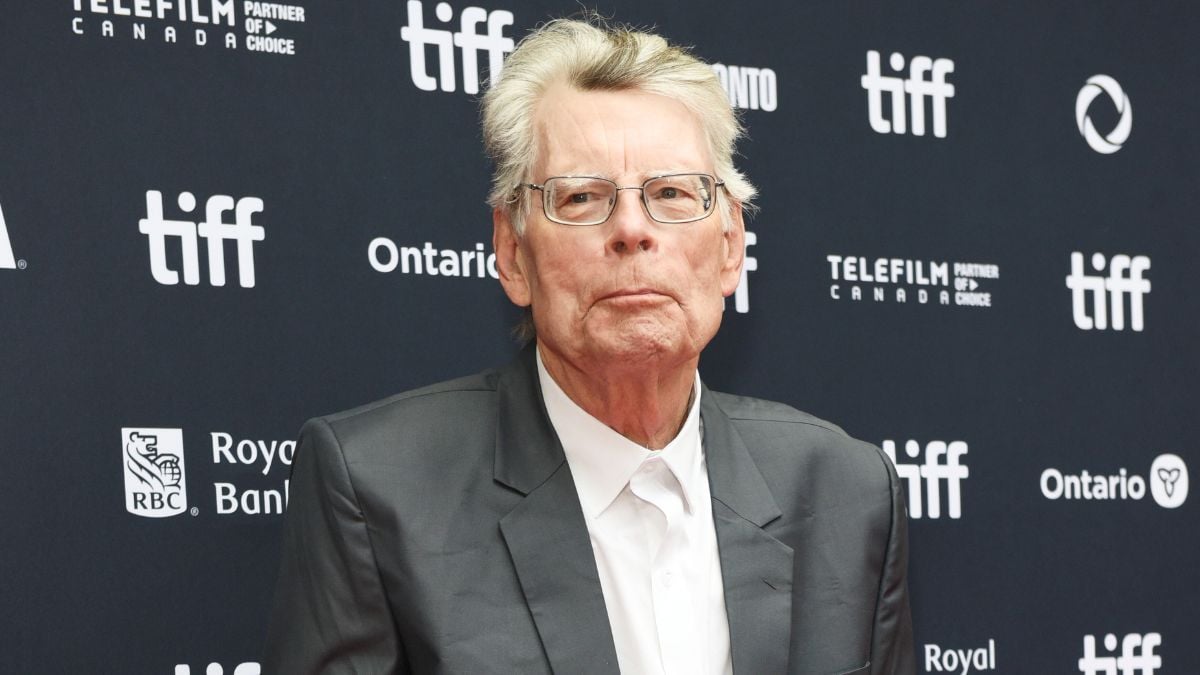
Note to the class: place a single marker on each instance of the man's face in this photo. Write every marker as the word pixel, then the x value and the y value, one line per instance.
pixel 630 292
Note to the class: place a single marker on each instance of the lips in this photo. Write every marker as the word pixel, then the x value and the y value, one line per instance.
pixel 633 291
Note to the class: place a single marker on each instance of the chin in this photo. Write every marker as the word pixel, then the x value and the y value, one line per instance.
pixel 645 343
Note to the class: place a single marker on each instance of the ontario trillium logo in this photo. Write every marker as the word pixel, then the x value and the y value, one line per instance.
pixel 1169 480
pixel 155 482
pixel 1169 477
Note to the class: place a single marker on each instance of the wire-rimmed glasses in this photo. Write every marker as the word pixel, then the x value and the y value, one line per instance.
pixel 590 200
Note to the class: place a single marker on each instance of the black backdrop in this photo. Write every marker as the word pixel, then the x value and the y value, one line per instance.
pixel 1022 571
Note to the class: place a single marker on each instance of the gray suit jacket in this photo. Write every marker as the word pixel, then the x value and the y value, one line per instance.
pixel 439 531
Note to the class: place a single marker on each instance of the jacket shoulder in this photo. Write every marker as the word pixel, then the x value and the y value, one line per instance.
pixel 780 436
pixel 442 393
pixel 459 411
pixel 749 409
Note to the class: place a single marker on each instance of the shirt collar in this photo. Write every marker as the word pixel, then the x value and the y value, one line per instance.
pixel 602 460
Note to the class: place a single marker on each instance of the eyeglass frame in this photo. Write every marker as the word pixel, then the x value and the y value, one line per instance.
pixel 717 183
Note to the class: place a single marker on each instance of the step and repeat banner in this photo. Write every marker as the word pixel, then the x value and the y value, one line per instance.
pixel 978 224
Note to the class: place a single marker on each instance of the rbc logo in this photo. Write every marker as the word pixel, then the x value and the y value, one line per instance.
pixel 467 39
pixel 933 471
pixel 917 88
pixel 1124 278
pixel 155 482
pixel 1142 662
pixel 213 230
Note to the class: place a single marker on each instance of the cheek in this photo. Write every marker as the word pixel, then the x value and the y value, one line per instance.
pixel 559 276
pixel 705 265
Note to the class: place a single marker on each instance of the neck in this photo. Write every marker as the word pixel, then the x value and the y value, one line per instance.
pixel 646 403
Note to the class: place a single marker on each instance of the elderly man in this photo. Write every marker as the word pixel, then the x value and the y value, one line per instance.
pixel 592 507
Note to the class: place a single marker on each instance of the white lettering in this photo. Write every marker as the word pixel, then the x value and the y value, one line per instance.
pixel 214 230
pixel 222 443
pixel 934 471
pixel 250 501
pixel 270 45
pixel 7 259
pixel 248 452
pixel 373 254
pixel 741 297
pixel 218 11
pixel 747 87
pixel 384 257
pixel 917 86
pixel 226 499
pixel 248 668
pixel 1088 486
pixel 941 660
pixel 272 10
pixel 1125 277
pixel 468 39
pixel 1143 661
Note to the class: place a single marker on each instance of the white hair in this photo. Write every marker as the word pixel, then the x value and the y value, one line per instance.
pixel 591 55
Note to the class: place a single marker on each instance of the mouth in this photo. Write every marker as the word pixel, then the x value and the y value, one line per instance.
pixel 635 300
pixel 633 294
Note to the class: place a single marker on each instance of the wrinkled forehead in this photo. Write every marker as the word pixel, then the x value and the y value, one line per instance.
pixel 626 134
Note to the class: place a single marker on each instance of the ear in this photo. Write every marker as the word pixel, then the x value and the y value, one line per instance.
pixel 510 262
pixel 734 252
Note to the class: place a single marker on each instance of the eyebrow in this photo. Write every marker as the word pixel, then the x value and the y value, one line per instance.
pixel 646 175
pixel 667 172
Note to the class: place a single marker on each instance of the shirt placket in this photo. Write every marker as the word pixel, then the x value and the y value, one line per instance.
pixel 674 613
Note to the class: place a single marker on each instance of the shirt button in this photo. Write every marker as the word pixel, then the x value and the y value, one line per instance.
pixel 667 579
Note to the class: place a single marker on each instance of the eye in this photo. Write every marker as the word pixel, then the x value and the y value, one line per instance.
pixel 670 193
pixel 578 193
pixel 579 197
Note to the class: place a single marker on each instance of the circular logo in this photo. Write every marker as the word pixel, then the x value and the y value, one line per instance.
pixel 1168 480
pixel 1096 85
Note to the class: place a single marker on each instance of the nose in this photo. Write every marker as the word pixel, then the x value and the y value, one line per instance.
pixel 631 228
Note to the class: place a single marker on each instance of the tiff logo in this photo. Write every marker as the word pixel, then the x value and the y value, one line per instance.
pixel 942 463
pixel 916 86
pixel 1142 662
pixel 467 39
pixel 213 230
pixel 248 668
pixel 1124 278
pixel 741 297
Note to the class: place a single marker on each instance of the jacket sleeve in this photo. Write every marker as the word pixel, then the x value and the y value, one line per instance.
pixel 892 637
pixel 330 613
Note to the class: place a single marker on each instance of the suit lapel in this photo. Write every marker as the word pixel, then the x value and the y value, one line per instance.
pixel 546 533
pixel 756 568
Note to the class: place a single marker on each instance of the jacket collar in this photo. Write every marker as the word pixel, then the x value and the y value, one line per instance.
pixel 547 537
pixel 756 568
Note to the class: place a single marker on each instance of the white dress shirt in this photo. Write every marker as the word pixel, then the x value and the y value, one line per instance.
pixel 649 516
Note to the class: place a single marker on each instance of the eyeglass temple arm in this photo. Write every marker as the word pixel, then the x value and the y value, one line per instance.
pixel 533 186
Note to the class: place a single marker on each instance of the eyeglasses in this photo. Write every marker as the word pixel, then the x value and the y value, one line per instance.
pixel 589 200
